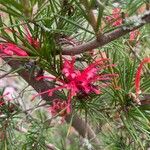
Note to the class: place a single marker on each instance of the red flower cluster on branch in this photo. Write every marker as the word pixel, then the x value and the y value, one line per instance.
pixel 115 18
pixel 80 81
pixel 12 49
pixel 134 35
pixel 58 107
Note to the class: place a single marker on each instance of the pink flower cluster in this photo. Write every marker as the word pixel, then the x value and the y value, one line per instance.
pixel 12 49
pixel 115 18
pixel 4 99
pixel 80 81
pixel 133 35
pixel 59 106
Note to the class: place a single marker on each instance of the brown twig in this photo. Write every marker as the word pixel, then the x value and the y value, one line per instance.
pixel 107 37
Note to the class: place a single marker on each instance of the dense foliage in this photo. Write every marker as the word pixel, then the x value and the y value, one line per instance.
pixel 88 62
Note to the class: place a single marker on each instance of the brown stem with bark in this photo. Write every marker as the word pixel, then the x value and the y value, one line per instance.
pixel 106 38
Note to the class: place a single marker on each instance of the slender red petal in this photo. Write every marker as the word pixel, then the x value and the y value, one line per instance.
pixel 103 77
pixel 50 91
pixel 41 93
pixel 95 64
pixel 48 77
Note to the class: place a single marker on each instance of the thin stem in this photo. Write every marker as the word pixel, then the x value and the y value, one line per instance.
pixel 90 14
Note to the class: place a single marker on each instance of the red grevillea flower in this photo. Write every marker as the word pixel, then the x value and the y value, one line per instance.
pixel 134 35
pixel 115 18
pixel 12 49
pixel 59 107
pixel 138 75
pixel 80 82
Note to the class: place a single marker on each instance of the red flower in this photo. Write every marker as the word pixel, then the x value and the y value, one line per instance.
pixel 12 49
pixel 80 82
pixel 115 18
pixel 138 75
pixel 69 70
pixel 133 35
pixel 59 107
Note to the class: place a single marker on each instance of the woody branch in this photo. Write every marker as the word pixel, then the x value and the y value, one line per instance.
pixel 106 38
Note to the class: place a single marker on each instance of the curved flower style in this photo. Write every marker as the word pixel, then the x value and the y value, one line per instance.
pixel 138 76
pixel 80 82
pixel 12 49
pixel 33 41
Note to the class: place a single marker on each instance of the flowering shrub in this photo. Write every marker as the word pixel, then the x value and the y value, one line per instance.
pixel 10 49
pixel 116 20
pixel 81 60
